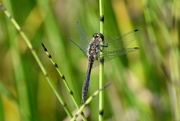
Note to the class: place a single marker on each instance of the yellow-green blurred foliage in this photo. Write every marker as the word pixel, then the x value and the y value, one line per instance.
pixel 145 83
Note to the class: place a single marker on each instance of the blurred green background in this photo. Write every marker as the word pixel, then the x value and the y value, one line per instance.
pixel 145 83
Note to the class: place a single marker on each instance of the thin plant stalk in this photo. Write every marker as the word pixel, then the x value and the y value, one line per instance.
pixel 64 80
pixel 49 80
pixel 89 100
pixel 101 66
pixel 23 100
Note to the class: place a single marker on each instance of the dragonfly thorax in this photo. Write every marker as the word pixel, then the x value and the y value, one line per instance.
pixel 94 46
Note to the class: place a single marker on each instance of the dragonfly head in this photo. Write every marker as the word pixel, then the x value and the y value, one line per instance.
pixel 98 36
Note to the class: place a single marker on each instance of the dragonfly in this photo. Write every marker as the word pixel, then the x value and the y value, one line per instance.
pixel 111 48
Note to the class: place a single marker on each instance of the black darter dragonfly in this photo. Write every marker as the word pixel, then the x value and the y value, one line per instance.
pixel 111 49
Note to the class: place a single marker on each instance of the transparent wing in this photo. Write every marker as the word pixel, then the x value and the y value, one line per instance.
pixel 120 52
pixel 121 42
pixel 112 54
pixel 80 47
pixel 83 38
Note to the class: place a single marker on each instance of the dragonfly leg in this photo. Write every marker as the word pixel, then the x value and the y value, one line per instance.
pixel 104 45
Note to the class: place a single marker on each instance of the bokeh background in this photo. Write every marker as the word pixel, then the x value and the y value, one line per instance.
pixel 145 83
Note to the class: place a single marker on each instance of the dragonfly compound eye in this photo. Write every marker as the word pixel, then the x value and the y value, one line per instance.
pixel 95 35
pixel 98 35
pixel 101 36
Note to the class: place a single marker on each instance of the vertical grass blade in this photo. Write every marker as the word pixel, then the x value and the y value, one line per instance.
pixel 101 66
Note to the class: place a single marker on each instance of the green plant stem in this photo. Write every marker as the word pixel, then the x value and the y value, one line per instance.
pixel 89 100
pixel 20 81
pixel 101 66
pixel 64 80
pixel 49 80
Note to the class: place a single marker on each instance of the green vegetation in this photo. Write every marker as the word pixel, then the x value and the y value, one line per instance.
pixel 144 84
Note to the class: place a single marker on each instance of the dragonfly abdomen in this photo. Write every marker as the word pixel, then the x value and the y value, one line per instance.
pixel 86 80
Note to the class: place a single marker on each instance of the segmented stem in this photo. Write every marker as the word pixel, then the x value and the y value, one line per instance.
pixel 89 100
pixel 49 80
pixel 63 78
pixel 101 66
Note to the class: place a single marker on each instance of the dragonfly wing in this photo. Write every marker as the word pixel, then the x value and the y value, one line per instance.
pixel 83 37
pixel 121 42
pixel 80 47
pixel 112 54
